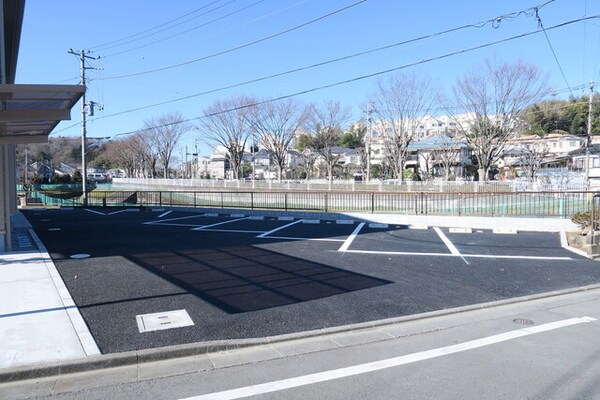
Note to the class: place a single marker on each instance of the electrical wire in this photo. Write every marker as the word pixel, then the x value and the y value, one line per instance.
pixel 229 28
pixel 335 60
pixel 541 25
pixel 190 29
pixel 112 44
pixel 251 43
pixel 374 74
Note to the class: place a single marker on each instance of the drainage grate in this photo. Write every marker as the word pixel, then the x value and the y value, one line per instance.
pixel 523 321
pixel 163 320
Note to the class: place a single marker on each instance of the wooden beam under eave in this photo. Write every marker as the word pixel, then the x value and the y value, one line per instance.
pixel 23 139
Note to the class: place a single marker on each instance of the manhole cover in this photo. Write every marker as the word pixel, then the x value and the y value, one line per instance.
pixel 163 320
pixel 79 256
pixel 523 321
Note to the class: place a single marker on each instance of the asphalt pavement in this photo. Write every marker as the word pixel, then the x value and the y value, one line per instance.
pixel 237 276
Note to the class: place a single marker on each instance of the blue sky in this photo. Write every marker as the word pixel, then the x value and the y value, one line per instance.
pixel 184 30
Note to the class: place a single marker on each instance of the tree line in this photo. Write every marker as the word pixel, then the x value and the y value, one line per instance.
pixel 498 99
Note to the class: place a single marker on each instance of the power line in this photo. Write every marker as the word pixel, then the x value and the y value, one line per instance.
pixel 280 33
pixel 541 25
pixel 494 21
pixel 189 30
pixel 374 74
pixel 112 44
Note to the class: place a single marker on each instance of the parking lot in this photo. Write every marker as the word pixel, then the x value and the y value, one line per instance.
pixel 232 275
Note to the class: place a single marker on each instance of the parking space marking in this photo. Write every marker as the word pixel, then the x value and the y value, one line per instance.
pixel 227 230
pixel 449 244
pixel 162 222
pixel 351 238
pixel 278 229
pixel 219 223
pixel 94 211
pixel 408 253
pixel 301 238
pixel 164 214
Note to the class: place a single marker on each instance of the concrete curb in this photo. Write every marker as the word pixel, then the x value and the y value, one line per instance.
pixel 448 221
pixel 98 362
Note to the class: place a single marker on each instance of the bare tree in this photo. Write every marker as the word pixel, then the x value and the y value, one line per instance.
pixel 532 155
pixel 400 103
pixel 163 134
pixel 427 161
pixel 495 96
pixel 276 124
pixel 132 154
pixel 325 124
pixel 447 154
pixel 225 123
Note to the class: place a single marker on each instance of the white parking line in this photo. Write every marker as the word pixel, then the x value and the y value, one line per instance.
pixel 94 211
pixel 123 211
pixel 227 230
pixel 352 236
pixel 449 244
pixel 218 223
pixel 359 369
pixel 162 221
pixel 278 229
pixel 164 214
pixel 408 253
pixel 301 238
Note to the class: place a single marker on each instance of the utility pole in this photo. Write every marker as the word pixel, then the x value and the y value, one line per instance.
pixel 369 137
pixel 83 56
pixel 588 140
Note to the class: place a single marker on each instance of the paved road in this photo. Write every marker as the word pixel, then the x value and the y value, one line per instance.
pixel 241 277
pixel 543 349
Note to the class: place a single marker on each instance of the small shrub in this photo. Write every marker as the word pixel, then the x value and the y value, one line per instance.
pixel 583 220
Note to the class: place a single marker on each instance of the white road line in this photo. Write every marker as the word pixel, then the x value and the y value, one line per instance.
pixel 165 214
pixel 227 230
pixel 351 238
pixel 301 238
pixel 167 224
pixel 449 244
pixel 219 223
pixel 408 253
pixel 359 369
pixel 278 229
pixel 174 219
pixel 120 211
pixel 94 211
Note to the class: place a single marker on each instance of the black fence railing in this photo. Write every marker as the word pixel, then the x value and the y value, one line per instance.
pixel 544 204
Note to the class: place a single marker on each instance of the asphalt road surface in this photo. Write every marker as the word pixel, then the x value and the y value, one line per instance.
pixel 244 277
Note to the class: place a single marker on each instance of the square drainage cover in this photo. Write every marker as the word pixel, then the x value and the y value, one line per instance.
pixel 163 320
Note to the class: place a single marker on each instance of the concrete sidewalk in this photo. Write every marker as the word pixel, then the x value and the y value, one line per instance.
pixel 39 322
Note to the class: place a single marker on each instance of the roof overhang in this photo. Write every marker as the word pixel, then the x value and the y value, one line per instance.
pixel 28 113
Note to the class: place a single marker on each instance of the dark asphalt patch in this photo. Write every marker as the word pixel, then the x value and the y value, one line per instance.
pixel 242 279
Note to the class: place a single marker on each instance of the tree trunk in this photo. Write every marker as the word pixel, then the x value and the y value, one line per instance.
pixel 482 174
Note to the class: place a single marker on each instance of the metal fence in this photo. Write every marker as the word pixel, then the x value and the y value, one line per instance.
pixel 545 204
pixel 352 185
